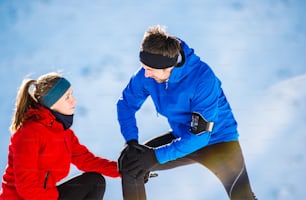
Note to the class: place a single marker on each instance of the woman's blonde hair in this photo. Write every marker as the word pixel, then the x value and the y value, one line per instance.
pixel 27 98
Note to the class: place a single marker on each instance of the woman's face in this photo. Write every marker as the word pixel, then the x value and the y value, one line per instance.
pixel 159 75
pixel 66 104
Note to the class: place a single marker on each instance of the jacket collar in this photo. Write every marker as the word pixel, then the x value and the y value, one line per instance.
pixel 43 116
pixel 191 60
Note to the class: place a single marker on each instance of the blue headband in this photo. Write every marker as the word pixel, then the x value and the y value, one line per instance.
pixel 55 93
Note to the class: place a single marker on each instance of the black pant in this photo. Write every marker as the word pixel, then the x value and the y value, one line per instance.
pixel 89 186
pixel 225 160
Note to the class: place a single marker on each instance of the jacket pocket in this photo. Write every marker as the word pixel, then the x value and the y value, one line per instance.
pixel 46 179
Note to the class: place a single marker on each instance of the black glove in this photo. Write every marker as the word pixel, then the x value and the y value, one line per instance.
pixel 128 152
pixel 144 160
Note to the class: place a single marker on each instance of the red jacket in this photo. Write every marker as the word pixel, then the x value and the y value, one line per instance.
pixel 40 154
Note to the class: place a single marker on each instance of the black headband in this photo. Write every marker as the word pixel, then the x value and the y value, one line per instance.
pixel 157 61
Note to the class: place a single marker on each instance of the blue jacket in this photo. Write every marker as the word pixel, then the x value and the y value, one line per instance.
pixel 192 87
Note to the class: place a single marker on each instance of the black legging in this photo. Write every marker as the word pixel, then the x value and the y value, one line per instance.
pixel 89 186
pixel 224 159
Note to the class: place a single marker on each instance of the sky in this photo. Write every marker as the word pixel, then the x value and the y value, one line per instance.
pixel 256 48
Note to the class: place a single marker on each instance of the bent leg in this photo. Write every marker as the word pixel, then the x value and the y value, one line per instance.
pixel 226 161
pixel 89 185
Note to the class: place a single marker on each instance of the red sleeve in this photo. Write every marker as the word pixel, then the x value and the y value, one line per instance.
pixel 29 181
pixel 86 161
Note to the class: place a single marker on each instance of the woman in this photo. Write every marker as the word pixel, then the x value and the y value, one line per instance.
pixel 43 146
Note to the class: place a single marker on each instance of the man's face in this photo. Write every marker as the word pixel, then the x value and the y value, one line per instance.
pixel 159 75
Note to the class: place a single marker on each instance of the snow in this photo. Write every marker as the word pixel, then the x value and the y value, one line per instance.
pixel 257 48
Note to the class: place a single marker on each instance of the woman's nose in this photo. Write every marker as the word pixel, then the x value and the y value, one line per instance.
pixel 73 100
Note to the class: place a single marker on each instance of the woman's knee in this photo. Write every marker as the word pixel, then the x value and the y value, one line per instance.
pixel 95 178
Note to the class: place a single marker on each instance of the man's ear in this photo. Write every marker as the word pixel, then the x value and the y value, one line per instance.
pixel 181 58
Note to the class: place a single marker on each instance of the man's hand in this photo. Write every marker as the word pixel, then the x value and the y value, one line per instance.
pixel 136 159
pixel 128 153
pixel 146 159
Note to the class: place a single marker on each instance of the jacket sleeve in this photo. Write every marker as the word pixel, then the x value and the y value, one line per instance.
pixel 204 102
pixel 86 161
pixel 132 98
pixel 29 181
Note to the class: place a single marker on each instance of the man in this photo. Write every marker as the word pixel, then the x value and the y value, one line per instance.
pixel 185 90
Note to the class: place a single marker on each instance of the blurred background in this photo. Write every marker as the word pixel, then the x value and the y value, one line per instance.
pixel 256 48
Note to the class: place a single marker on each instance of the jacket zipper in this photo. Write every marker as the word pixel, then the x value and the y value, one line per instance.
pixel 46 179
pixel 166 84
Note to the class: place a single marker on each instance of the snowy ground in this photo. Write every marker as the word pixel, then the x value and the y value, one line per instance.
pixel 257 48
